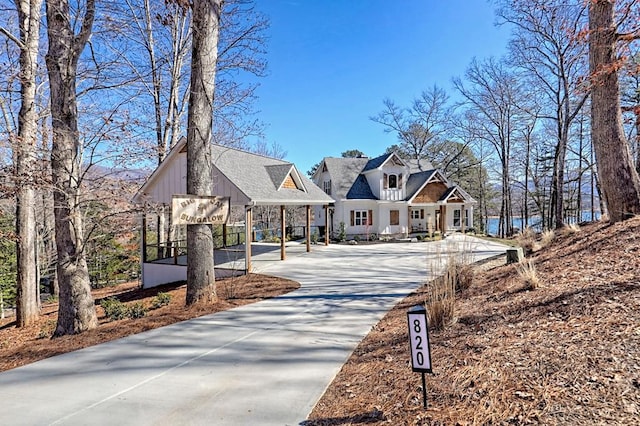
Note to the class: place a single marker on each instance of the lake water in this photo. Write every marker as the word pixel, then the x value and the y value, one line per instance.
pixel 534 222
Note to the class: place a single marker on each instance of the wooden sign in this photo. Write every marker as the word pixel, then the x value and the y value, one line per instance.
pixel 195 210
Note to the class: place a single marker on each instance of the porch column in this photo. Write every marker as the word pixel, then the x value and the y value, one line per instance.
pixel 248 234
pixel 326 225
pixel 283 254
pixel 308 228
pixel 224 235
pixel 462 217
pixel 443 219
pixel 409 228
pixel 144 238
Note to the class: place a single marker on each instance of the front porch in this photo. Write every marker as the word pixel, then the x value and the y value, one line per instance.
pixel 441 218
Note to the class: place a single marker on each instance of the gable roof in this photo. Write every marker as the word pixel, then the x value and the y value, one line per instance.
pixel 279 173
pixel 417 181
pixel 343 172
pixel 459 191
pixel 259 178
pixel 376 163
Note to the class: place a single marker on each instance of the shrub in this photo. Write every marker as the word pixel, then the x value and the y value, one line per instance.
pixel 528 274
pixel 136 310
pixel 342 233
pixel 114 309
pixel 161 299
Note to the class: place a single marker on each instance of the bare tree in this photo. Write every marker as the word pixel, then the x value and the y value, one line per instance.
pixel 492 96
pixel 619 179
pixel 25 160
pixel 77 311
pixel 546 44
pixel 420 126
pixel 206 27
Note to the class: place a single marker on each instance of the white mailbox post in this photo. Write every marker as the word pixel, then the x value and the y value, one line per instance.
pixel 419 344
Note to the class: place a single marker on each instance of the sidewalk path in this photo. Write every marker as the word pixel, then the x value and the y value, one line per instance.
pixel 261 364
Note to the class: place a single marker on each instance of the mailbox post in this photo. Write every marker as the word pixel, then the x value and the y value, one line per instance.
pixel 419 344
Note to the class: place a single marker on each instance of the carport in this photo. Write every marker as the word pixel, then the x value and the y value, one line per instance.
pixel 248 179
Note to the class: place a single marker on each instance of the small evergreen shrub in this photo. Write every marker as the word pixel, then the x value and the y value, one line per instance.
pixel 114 309
pixel 342 233
pixel 136 310
pixel 161 299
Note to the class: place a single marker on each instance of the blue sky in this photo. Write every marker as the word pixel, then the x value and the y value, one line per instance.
pixel 333 62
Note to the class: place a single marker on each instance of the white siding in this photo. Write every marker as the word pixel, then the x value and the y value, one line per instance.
pixel 384 214
pixel 174 181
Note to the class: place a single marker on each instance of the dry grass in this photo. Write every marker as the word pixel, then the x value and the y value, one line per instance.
pixel 547 237
pixel 441 302
pixel 528 241
pixel 565 354
pixel 528 274
pixel 573 228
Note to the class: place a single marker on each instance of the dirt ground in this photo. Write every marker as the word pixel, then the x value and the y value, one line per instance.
pixel 25 345
pixel 566 353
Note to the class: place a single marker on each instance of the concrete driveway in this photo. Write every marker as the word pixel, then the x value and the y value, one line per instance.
pixel 262 364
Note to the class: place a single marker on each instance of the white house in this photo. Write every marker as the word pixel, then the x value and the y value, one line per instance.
pixel 389 196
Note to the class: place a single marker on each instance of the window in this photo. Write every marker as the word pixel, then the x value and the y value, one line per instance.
pixel 456 218
pixel 327 187
pixel 392 181
pixel 394 217
pixel 361 217
pixel 417 214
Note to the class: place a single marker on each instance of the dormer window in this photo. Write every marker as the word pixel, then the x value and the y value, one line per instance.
pixel 326 185
pixel 392 181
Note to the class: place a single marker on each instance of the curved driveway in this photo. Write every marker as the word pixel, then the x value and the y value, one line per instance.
pixel 261 364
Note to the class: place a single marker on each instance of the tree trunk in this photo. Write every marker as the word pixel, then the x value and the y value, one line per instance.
pixel 25 163
pixel 619 179
pixel 77 311
pixel 557 185
pixel 200 266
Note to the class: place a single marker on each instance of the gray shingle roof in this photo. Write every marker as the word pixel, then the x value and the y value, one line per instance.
pixel 259 178
pixel 374 163
pixel 278 173
pixel 360 190
pixel 344 172
pixel 417 166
